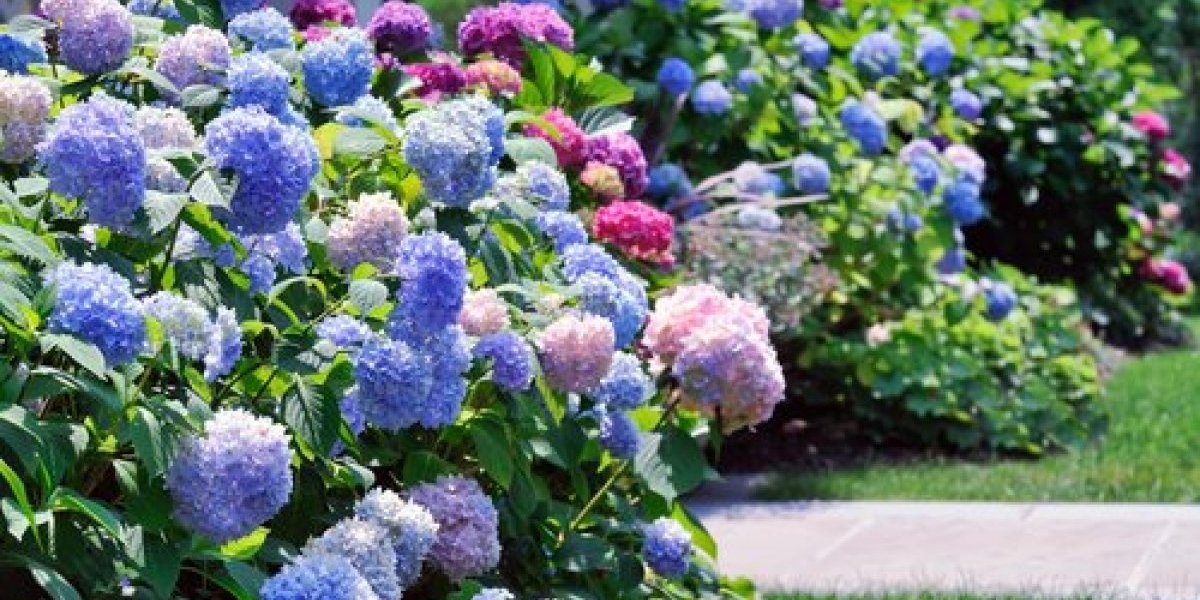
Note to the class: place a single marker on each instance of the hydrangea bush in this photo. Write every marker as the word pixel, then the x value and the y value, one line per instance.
pixel 297 310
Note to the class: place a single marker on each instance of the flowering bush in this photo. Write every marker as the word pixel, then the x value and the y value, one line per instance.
pixel 311 311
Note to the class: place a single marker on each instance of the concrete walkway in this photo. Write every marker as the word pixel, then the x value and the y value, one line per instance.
pixel 1113 550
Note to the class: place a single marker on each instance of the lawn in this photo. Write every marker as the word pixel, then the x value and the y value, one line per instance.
pixel 1149 454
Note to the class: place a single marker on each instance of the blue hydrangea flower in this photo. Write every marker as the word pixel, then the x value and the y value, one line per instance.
pixel 233 477
pixel 433 271
pixel 935 52
pixel 373 109
pixel 758 217
pixel 450 146
pixel 865 126
pixel 185 323
pixel 493 124
pixel 746 80
pixel 675 76
pixel 877 55
pixel 410 528
pixel 966 104
pixel 1000 300
pixel 257 80
pixel 468 542
pixel 618 434
pixel 261 271
pixel 17 52
pixel 93 152
pixel 449 357
pixel 813 48
pixel 603 297
pixel 926 172
pixel 563 228
pixel 162 9
pixel 581 259
pixel 500 593
pixel 225 347
pixel 318 577
pixel 667 547
pixel 810 174
pixel 904 222
pixel 235 8
pixel 961 200
pixel 95 304
pixel 262 30
pixel 542 184
pixel 626 386
pixel 366 545
pixel 668 181
pixel 752 179
pixel 774 14
pixel 711 98
pixel 804 109
pixel 285 248
pixel 274 164
pixel 512 359
pixel 343 331
pixel 96 36
pixel 338 68
pixel 953 261
pixel 393 381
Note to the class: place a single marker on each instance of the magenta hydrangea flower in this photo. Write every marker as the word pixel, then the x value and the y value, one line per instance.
pixel 500 30
pixel 441 76
pixel 576 351
pixel 622 152
pixel 399 28
pixel 570 143
pixel 495 76
pixel 309 13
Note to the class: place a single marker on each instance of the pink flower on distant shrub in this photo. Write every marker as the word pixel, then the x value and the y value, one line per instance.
pixel 965 12
pixel 570 143
pixel 622 152
pixel 1176 168
pixel 603 180
pixel 1169 274
pixel 1144 223
pixel 499 30
pixel 494 75
pixel 1152 125
pixel 441 76
pixel 1169 211
pixel 638 229
pixel 307 13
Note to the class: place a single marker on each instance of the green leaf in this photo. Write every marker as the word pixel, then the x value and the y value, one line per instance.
pixel 491 446
pixel 84 354
pixel 163 209
pixel 54 583
pixel 26 244
pixel 700 536
pixel 14 303
pixel 148 443
pixel 68 500
pixel 423 466
pixel 200 96
pixel 358 142
pixel 523 149
pixel 17 487
pixel 670 463
pixel 313 415
pixel 245 547
pixel 206 190
pixel 367 294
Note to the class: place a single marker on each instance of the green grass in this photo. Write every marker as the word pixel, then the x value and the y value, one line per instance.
pixel 1149 454
pixel 916 596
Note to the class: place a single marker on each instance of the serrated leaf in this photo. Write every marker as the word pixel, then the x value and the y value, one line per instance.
pixel 84 354
pixel 206 190
pixel 524 149
pixel 163 209
pixel 26 244
pixel 366 294
pixel 199 96
pixel 358 142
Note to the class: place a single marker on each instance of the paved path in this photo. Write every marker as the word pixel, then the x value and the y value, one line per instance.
pixel 1116 550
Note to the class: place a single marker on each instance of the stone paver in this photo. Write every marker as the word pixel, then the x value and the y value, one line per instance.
pixel 1120 550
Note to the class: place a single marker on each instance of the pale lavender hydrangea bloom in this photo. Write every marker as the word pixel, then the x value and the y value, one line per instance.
pixel 318 577
pixel 185 323
pixel 411 529
pixel 371 233
pixel 367 546
pixel 95 36
pixel 468 541
pixel 483 312
pixel 576 351
pixel 164 128
pixel 226 345
pixel 198 56
pixel 24 108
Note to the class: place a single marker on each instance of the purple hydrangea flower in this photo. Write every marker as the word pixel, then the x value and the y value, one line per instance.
pixel 95 36
pixel 338 67
pixel 433 271
pixel 198 56
pixel 512 359
pixel 563 228
pixel 399 28
pixel 618 434
pixel 500 30
pixel 675 76
pixel 95 304
pixel 667 547
pixel 468 541
pixel 164 128
pixel 711 98
pixel 94 153
pixel 966 104
pixel 622 152
pixel 233 477
pixel 314 13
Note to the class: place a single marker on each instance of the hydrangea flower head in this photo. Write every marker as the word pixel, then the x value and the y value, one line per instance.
pixel 164 127
pixel 711 98
pixel 675 76
pixel 161 9
pixel 225 346
pixel 493 594
pixel 441 76
pixel 257 80
pixel 865 125
pixel 999 298
pixel 17 52
pixel 399 28
pixel 589 258
pixel 24 108
pixel 541 184
pixel 1175 168
pixel 1153 125
pixel 563 228
pixel 452 147
pixel 667 181
pixel 667 547
pixel 804 109
pixel 262 30
pixel 343 331
pixel 483 312
pixel 93 152
pixel 197 56
pixel 961 199
pixel 337 68
pixel 935 52
pixel 622 152
pixel 372 233
pixel 367 546
pixel 313 13
pixel 500 30
pixel 569 141
pixel 318 577
pixel 679 314
pixel 638 229
pixel 877 55
pixel 626 385
pixel 753 179
pixel 495 76
pixel 468 541
pixel 966 104
pixel 95 304
pixel 953 261
pixel 410 527
pixel 966 160
pixel 512 359
pixel 233 477
pixel 618 434
pixel 185 323
pixel 926 172
pixel 746 80
pixel 810 174
pixel 774 14
pixel 603 180
pixel 393 383
pixel 728 371
pixel 813 48
pixel 601 296
pixel 234 8
pixel 760 218
pixel 449 357
pixel 274 164
pixel 433 271
pixel 96 36
pixel 576 351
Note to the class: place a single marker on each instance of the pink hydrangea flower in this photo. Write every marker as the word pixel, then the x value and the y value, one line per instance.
pixel 1169 211
pixel 603 180
pixel 495 76
pixel 576 351
pixel 1153 125
pixel 622 152
pixel 728 371
pixel 372 233
pixel 1169 274
pixel 1176 168
pixel 638 229
pixel 442 76
pixel 483 312
pixel 966 160
pixel 499 30
pixel 687 309
pixel 570 143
